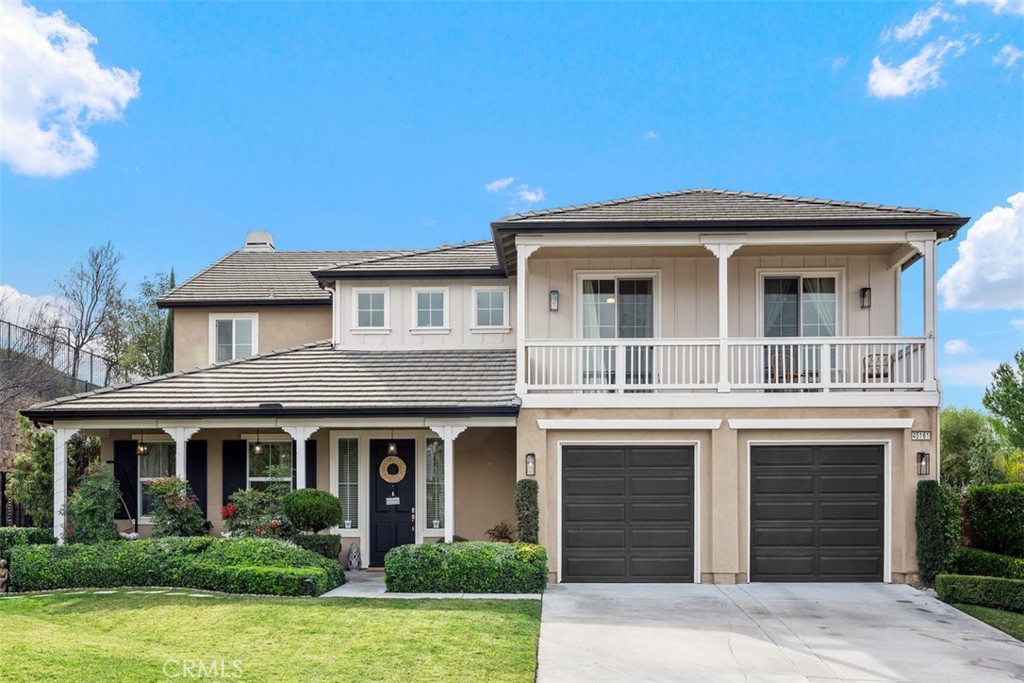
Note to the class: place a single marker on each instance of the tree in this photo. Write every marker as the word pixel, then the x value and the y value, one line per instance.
pixel 92 291
pixel 167 352
pixel 139 326
pixel 962 434
pixel 1005 400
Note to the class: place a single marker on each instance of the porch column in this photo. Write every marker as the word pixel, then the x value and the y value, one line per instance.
pixel 60 479
pixel 448 433
pixel 722 252
pixel 930 383
pixel 300 434
pixel 523 253
pixel 181 435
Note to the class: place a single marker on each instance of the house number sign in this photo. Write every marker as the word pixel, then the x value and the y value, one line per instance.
pixel 920 436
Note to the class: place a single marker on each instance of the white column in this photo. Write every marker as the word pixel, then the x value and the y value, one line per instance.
pixel 722 252
pixel 60 479
pixel 448 433
pixel 930 382
pixel 523 253
pixel 181 435
pixel 300 434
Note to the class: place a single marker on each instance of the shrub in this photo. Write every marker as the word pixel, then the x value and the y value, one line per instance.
pixel 472 567
pixel 503 532
pixel 938 528
pixel 312 509
pixel 229 565
pixel 328 545
pixel 997 516
pixel 176 509
pixel 254 513
pixel 1004 594
pixel 90 509
pixel 527 510
pixel 974 562
pixel 19 535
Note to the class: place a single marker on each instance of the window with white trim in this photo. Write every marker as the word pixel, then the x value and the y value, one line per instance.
pixel 430 308
pixel 800 305
pixel 233 337
pixel 156 464
pixel 490 306
pixel 274 464
pixel 435 483
pixel 348 481
pixel 371 308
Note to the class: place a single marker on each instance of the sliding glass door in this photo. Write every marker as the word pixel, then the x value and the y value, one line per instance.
pixel 617 308
pixel 797 306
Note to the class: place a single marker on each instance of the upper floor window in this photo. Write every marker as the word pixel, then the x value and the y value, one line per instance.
pixel 614 307
pixel 232 336
pixel 490 307
pixel 430 308
pixel 371 308
pixel 800 306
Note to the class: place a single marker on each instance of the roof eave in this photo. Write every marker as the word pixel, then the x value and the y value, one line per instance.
pixel 408 273
pixel 220 303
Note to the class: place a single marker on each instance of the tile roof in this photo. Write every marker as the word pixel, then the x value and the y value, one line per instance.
pixel 314 379
pixel 467 257
pixel 720 205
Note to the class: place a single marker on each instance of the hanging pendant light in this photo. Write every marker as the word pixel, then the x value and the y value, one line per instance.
pixel 142 448
pixel 392 446
pixel 257 447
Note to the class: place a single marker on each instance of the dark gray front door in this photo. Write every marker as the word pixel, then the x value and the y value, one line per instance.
pixel 627 513
pixel 816 513
pixel 391 502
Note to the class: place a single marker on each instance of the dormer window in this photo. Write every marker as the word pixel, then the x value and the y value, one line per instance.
pixel 371 308
pixel 430 309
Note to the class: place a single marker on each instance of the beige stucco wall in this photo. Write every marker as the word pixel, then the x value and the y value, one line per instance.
pixel 686 298
pixel 278 327
pixel 723 485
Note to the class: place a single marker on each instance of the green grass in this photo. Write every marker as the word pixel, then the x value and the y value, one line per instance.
pixel 1007 622
pixel 132 637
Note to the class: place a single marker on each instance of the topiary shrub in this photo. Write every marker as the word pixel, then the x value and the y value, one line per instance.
pixel 312 509
pixel 527 510
pixel 11 536
pixel 328 545
pixel 974 562
pixel 472 567
pixel 938 528
pixel 90 509
pixel 997 517
pixel 176 509
pixel 1004 594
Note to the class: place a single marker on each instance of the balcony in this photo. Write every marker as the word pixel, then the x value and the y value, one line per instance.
pixel 800 364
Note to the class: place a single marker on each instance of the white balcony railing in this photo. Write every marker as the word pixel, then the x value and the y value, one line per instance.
pixel 692 365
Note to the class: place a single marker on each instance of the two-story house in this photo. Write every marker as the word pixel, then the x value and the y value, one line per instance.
pixel 707 386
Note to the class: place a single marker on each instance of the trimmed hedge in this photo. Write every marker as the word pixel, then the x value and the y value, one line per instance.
pixel 987 591
pixel 244 565
pixel 312 509
pixel 470 567
pixel 328 545
pixel 975 562
pixel 11 536
pixel 997 515
pixel 527 510
pixel 938 528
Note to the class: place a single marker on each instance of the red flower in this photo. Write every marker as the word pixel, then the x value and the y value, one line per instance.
pixel 228 511
pixel 261 530
pixel 274 524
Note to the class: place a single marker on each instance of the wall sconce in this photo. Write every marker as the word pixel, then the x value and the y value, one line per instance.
pixel 531 464
pixel 257 448
pixel 553 300
pixel 865 297
pixel 142 448
pixel 924 464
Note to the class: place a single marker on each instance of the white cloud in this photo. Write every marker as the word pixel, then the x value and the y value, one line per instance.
pixel 998 6
pixel 919 24
pixel 651 135
pixel 973 374
pixel 499 184
pixel 1008 56
pixel 531 195
pixel 53 91
pixel 840 62
pixel 22 309
pixel 989 270
pixel 1018 323
pixel 918 74
pixel 957 347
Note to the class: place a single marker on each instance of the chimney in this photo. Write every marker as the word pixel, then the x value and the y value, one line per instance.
pixel 258 240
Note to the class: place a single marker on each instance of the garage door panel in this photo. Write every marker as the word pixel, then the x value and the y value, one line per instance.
pixel 770 566
pixel 650 456
pixel 594 486
pixel 660 486
pixel 673 568
pixel 595 512
pixel 852 484
pixel 786 456
pixel 847 510
pixel 659 512
pixel 776 511
pixel 595 568
pixel 850 456
pixel 660 539
pixel 851 568
pixel 788 484
pixel 595 539
pixel 851 537
pixel 594 457
pixel 785 537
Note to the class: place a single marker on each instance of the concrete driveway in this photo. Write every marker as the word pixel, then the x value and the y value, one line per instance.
pixel 766 633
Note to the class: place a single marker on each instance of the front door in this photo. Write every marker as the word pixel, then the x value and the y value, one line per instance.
pixel 392 497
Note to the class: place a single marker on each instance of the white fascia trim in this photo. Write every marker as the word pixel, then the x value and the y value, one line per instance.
pixel 646 425
pixel 855 423
pixel 909 399
pixel 267 423
pixel 626 239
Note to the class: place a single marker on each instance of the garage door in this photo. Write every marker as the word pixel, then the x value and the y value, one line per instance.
pixel 627 513
pixel 816 513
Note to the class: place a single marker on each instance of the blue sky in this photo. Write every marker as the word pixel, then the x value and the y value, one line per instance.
pixel 372 125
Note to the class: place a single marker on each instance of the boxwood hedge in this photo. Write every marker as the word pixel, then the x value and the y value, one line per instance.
pixel 975 562
pixel 328 545
pixel 987 591
pixel 470 567
pixel 244 565
pixel 22 535
pixel 997 515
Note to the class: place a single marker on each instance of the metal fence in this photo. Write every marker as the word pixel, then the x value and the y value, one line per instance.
pixel 11 512
pixel 48 363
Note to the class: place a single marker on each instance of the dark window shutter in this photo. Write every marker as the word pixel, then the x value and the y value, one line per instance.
pixel 234 463
pixel 126 472
pixel 311 464
pixel 195 470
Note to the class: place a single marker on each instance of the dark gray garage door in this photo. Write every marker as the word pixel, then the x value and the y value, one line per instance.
pixel 816 513
pixel 627 513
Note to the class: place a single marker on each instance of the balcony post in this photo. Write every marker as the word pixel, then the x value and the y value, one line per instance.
pixel 523 253
pixel 722 252
pixel 930 382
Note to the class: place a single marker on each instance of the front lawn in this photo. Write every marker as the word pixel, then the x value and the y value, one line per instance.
pixel 152 637
pixel 1007 622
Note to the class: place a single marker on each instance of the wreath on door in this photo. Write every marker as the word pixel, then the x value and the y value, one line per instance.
pixel 385 469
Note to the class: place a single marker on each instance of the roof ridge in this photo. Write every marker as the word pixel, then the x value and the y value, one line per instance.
pixel 593 205
pixel 415 252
